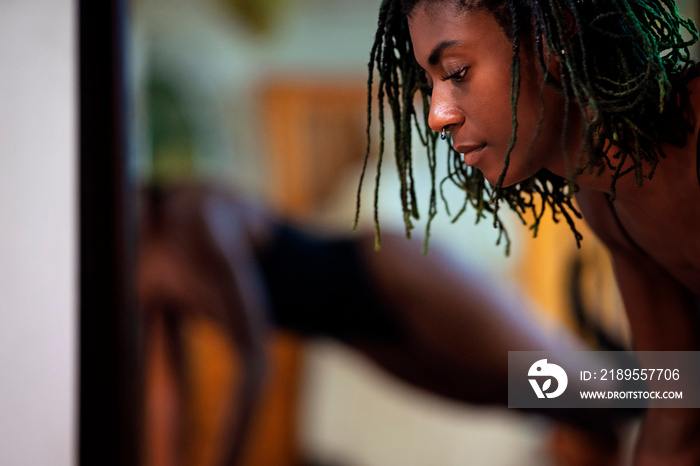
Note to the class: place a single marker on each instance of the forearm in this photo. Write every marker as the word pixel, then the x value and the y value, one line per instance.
pixel 455 316
pixel 663 316
pixel 458 329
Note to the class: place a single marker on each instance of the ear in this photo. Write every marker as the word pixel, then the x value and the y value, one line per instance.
pixel 552 60
pixel 569 26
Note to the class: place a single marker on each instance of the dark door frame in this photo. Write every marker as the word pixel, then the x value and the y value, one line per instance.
pixel 109 375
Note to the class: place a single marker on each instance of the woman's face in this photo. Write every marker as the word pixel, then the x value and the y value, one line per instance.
pixel 467 60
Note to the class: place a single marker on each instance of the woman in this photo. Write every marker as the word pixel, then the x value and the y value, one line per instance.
pixel 558 99
pixel 209 257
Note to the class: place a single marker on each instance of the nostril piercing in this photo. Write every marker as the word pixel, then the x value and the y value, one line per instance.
pixel 443 136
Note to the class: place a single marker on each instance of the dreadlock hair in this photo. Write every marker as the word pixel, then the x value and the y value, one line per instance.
pixel 624 62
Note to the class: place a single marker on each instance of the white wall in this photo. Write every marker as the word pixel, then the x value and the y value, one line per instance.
pixel 37 232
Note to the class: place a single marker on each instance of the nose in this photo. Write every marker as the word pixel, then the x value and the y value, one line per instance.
pixel 444 113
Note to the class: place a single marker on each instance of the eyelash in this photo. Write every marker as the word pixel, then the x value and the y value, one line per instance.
pixel 457 76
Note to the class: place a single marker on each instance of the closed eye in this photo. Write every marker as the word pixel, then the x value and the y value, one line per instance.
pixel 457 75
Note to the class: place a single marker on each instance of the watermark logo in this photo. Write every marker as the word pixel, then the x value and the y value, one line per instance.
pixel 542 369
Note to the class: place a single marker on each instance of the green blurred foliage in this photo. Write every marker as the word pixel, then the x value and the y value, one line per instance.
pixel 259 15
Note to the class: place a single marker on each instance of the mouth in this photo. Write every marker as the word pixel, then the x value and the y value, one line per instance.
pixel 471 153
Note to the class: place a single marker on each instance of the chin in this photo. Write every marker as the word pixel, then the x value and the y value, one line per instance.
pixel 513 176
pixel 492 177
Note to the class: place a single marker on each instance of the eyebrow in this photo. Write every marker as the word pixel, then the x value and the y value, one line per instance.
pixel 434 56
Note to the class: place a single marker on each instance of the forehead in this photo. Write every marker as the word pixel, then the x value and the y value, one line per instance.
pixel 448 26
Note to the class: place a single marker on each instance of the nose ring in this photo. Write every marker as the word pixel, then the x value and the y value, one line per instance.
pixel 443 136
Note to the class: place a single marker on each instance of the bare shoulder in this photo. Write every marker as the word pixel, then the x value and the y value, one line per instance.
pixel 693 90
pixel 599 213
pixel 599 216
pixel 633 267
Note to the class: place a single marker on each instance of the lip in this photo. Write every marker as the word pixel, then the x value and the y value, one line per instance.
pixel 470 152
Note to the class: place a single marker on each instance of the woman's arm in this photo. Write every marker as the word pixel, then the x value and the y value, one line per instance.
pixel 663 316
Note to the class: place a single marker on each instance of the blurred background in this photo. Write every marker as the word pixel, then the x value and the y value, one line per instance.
pixel 269 98
pixel 264 100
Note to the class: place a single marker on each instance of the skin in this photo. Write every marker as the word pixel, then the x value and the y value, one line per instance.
pixel 474 103
pixel 660 284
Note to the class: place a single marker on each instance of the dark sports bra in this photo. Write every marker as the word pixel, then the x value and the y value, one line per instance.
pixel 321 287
pixel 624 231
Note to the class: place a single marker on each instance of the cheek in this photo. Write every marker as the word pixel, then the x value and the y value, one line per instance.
pixel 491 108
pixel 532 100
pixel 540 117
pixel 498 114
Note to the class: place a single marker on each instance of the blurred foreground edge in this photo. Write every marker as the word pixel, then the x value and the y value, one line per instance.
pixel 109 376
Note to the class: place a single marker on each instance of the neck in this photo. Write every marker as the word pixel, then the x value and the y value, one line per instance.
pixel 571 157
pixel 574 157
pixel 675 176
pixel 679 167
pixel 603 181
